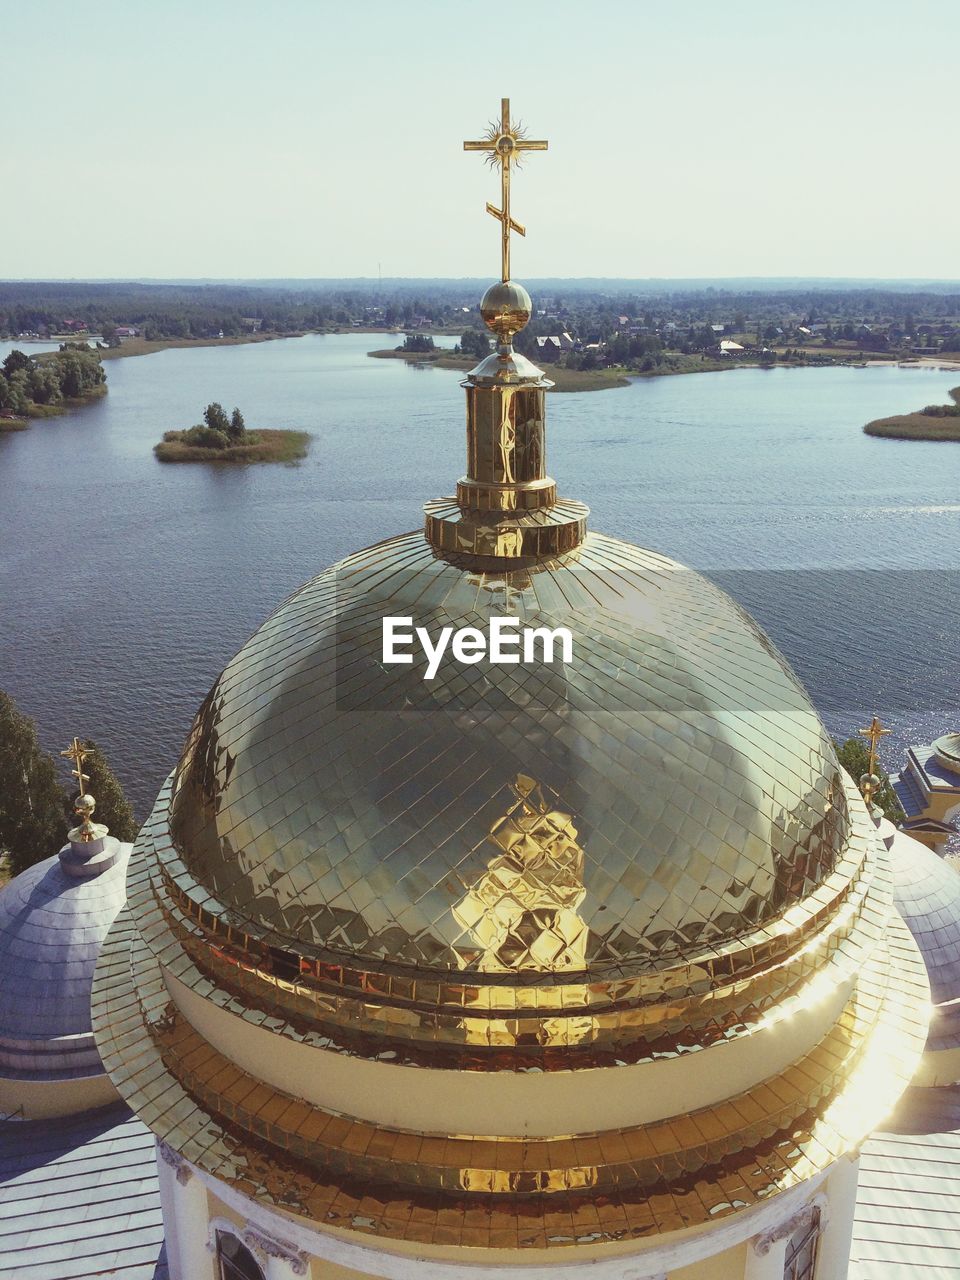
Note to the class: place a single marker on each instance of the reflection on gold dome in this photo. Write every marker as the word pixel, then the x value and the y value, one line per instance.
pixel 351 820
pixel 522 912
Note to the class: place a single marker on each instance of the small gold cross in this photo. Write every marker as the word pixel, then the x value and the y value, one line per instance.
pixel 77 752
pixel 503 143
pixel 874 732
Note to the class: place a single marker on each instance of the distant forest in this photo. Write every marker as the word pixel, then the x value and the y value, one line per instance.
pixel 208 309
pixel 625 321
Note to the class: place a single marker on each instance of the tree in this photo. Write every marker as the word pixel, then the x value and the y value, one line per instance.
pixel 618 349
pixel 237 428
pixel 71 381
pixel 113 809
pixel 15 361
pixel 854 756
pixel 202 436
pixel 475 343
pixel 216 419
pixel 418 342
pixel 18 399
pixel 32 822
pixel 43 384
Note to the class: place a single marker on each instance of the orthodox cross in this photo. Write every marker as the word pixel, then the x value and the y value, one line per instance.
pixel 874 732
pixel 504 142
pixel 77 752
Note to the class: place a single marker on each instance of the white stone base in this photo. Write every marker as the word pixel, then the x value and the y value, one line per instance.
pixel 744 1246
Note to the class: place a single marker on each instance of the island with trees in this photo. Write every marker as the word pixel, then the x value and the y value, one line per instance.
pixel 47 384
pixel 935 422
pixel 220 438
pixel 474 345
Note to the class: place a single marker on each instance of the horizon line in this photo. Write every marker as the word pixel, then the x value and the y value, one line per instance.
pixel 147 279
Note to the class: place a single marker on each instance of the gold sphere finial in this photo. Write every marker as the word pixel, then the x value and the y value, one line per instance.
pixel 506 308
pixel 83 807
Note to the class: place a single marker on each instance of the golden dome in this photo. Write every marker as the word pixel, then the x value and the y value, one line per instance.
pixel 431 911
pixel 330 804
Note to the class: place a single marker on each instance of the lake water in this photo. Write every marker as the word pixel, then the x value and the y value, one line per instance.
pixel 125 585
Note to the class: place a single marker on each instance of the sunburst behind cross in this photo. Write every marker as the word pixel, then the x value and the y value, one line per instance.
pixel 504 143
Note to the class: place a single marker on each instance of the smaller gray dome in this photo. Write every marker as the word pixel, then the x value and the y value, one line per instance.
pixel 947 751
pixel 926 891
pixel 53 920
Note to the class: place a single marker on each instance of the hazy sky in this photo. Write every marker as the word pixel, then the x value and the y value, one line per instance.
pixel 298 138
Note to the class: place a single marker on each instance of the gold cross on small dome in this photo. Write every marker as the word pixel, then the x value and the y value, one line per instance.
pixel 77 752
pixel 874 732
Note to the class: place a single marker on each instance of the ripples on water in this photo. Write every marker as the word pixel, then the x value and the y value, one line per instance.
pixel 126 585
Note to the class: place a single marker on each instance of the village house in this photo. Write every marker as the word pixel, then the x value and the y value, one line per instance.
pixel 557 341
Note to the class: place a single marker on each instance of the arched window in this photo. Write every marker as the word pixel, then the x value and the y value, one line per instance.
pixel 234 1259
pixel 800 1262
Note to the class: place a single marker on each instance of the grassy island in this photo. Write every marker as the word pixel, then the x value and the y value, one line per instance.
pixel 419 348
pixel 935 422
pixel 48 384
pixel 139 346
pixel 222 439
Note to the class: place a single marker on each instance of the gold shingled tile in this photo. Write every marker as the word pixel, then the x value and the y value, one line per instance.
pixel 231 815
pixel 624 1028
pixel 735 1160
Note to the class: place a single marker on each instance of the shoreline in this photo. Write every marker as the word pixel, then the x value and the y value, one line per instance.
pixel 148 347
pixel 570 380
pixel 145 347
pixel 565 380
pixel 42 411
pixel 920 425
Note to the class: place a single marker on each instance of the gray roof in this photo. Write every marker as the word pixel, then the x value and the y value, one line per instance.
pixel 908 1203
pixel 938 775
pixel 909 793
pixel 79 1198
pixel 926 891
pixel 52 924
